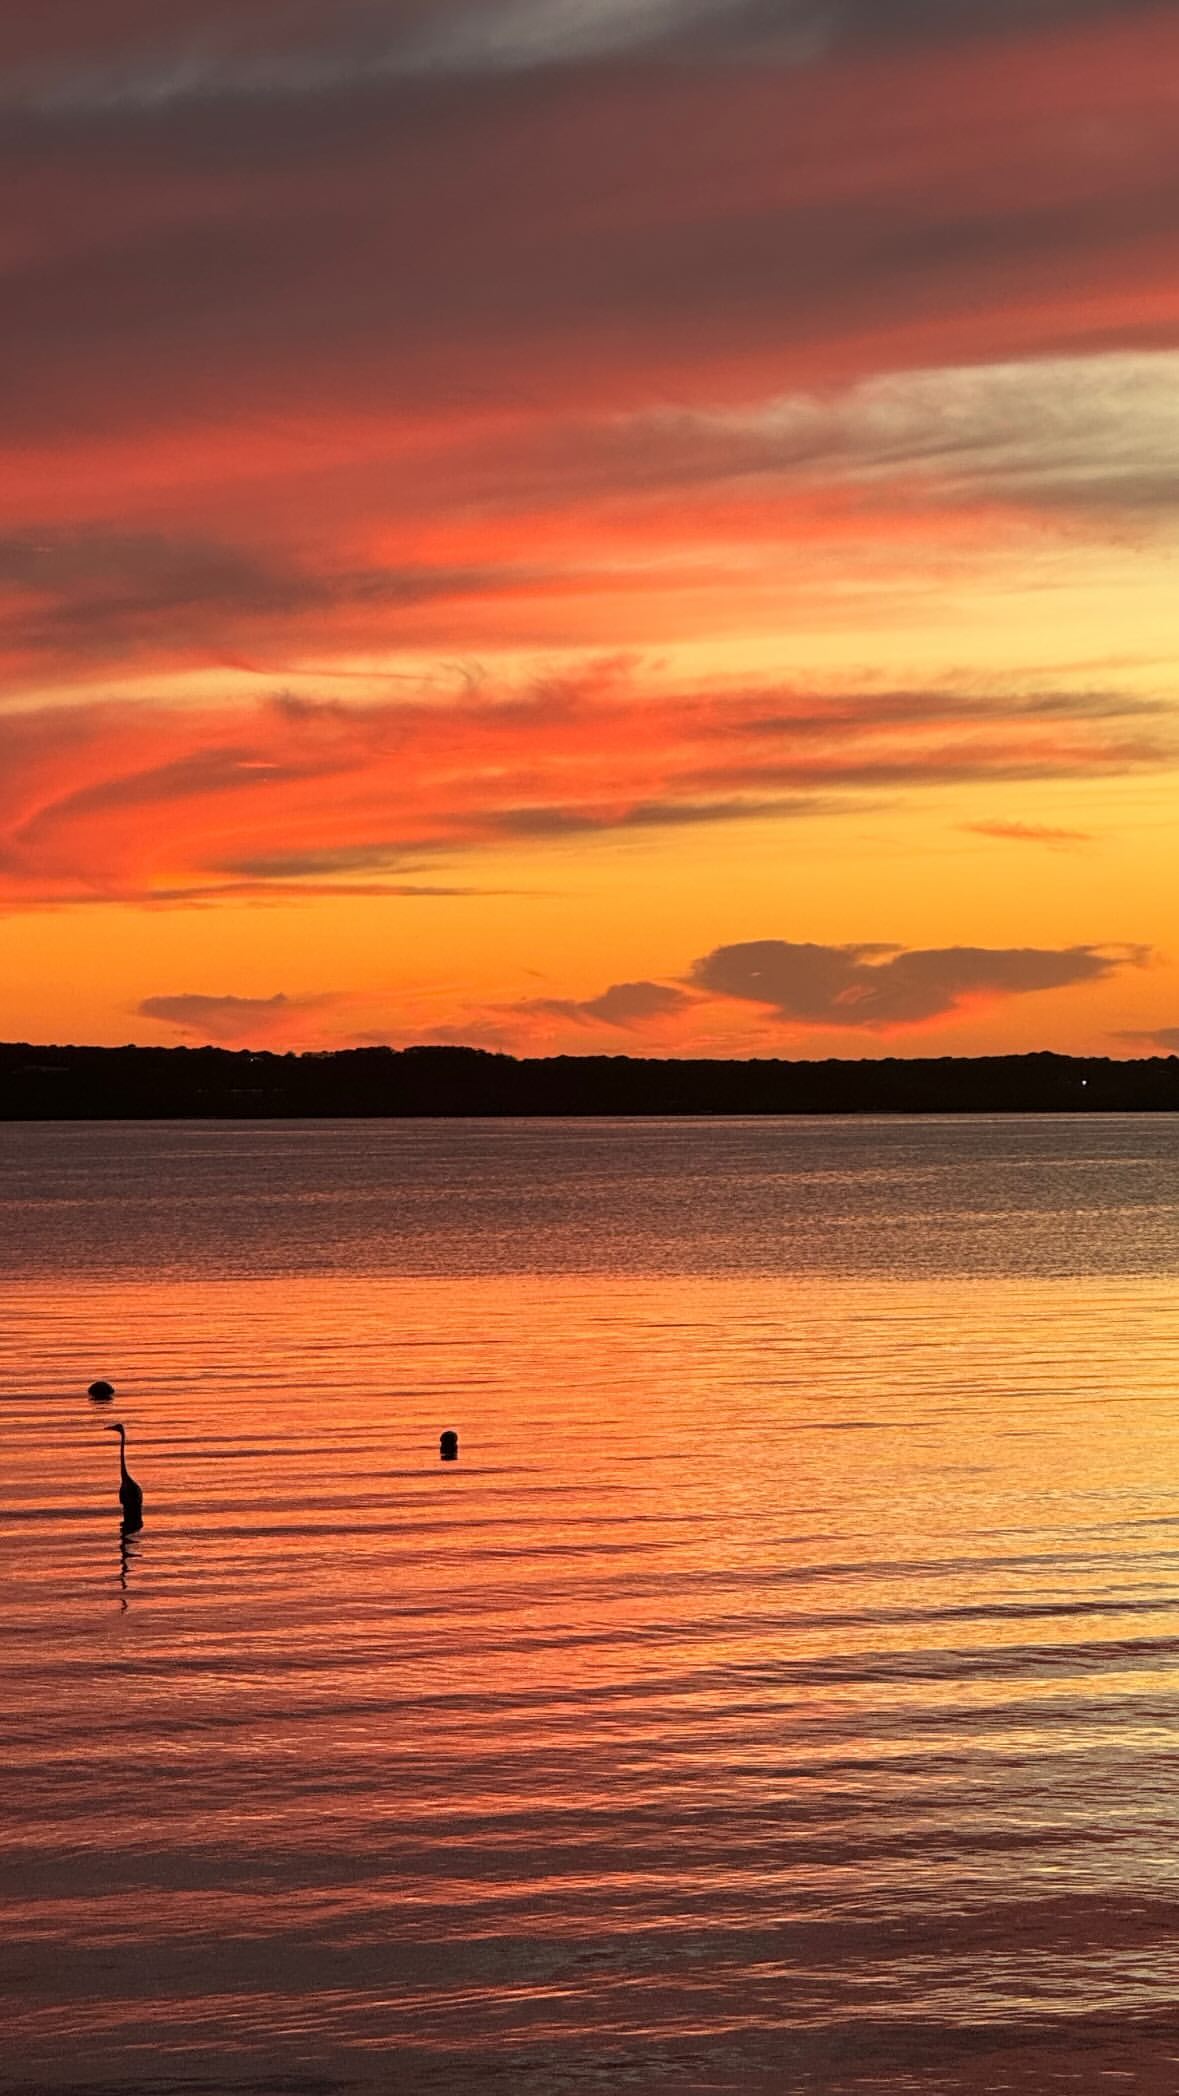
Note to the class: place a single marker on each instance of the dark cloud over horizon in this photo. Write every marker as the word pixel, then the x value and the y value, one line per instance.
pixel 881 989
pixel 234 1021
pixel 624 1005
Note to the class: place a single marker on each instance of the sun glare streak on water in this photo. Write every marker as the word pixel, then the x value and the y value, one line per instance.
pixel 779 1692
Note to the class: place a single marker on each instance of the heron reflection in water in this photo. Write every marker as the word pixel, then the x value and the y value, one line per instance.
pixel 129 1535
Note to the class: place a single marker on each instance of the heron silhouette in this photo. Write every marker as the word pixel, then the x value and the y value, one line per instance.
pixel 130 1494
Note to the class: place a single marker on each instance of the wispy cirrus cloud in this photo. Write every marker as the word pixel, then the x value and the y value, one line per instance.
pixel 1030 833
pixel 83 600
pixel 930 205
pixel 1087 433
pixel 848 493
pixel 123 799
pixel 255 52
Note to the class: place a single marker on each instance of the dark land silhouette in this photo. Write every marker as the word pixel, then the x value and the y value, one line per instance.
pixel 69 1083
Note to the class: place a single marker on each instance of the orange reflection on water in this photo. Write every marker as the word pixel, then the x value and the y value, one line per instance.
pixel 776 1649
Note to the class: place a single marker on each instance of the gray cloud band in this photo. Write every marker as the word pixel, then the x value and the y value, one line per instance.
pixel 198 56
pixel 858 987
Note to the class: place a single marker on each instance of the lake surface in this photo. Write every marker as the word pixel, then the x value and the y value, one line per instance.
pixel 779 1693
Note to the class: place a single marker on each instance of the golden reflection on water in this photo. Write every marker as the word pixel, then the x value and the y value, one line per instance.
pixel 778 1692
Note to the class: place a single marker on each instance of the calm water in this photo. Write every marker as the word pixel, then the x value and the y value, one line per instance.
pixel 778 1695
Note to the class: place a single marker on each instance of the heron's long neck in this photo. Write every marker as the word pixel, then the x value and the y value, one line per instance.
pixel 122 1457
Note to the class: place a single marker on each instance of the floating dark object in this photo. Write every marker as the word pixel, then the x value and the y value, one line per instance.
pixel 448 1446
pixel 101 1392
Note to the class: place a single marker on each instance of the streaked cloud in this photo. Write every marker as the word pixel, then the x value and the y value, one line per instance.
pixel 1030 833
pixel 90 598
pixel 122 799
pixel 204 53
pixel 1163 1038
pixel 591 528
pixel 1083 432
pixel 616 237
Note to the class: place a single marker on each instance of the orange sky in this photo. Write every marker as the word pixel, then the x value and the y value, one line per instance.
pixel 641 528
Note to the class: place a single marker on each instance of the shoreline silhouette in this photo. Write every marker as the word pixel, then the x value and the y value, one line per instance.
pixel 41 1083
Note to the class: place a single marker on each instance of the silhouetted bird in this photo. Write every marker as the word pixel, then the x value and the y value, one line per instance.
pixel 101 1392
pixel 130 1494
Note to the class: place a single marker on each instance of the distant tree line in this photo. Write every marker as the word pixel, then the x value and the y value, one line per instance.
pixel 66 1083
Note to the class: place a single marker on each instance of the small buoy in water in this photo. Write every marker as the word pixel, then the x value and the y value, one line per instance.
pixel 448 1446
pixel 101 1392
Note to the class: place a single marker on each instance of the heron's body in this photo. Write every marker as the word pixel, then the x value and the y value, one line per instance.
pixel 130 1494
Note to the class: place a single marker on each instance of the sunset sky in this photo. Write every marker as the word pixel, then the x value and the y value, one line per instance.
pixel 643 526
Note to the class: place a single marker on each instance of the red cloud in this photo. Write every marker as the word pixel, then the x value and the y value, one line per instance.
pixel 604 239
pixel 451 351
pixel 144 801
